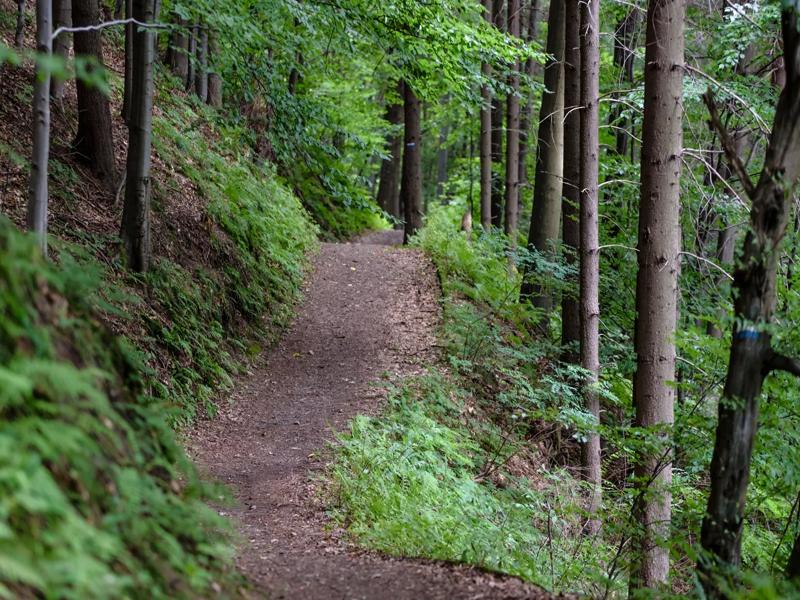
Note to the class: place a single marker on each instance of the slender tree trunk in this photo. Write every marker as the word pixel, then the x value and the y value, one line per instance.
pixel 793 566
pixel 178 51
pixel 486 137
pixel 201 78
pixel 136 211
pixel 752 357
pixel 527 111
pixel 498 17
pixel 127 80
pixel 657 284
pixel 94 141
pixel 546 214
pixel 391 166
pixel 62 14
pixel 38 190
pixel 624 54
pixel 590 242
pixel 19 33
pixel 214 78
pixel 570 310
pixel 411 183
pixel 512 137
pixel 192 60
pixel 442 160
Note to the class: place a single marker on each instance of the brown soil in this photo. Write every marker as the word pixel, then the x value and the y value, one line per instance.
pixel 370 312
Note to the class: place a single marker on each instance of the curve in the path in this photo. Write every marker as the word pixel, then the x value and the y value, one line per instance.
pixel 370 309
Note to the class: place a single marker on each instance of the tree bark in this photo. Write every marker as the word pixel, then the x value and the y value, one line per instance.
pixel 752 357
pixel 793 566
pixel 411 183
pixel 624 54
pixel 19 33
pixel 546 213
pixel 486 136
pixel 178 51
pixel 192 60
pixel 527 112
pixel 201 77
pixel 128 66
pixel 136 211
pixel 214 78
pixel 657 284
pixel 62 15
pixel 512 135
pixel 38 189
pixel 391 166
pixel 498 17
pixel 590 243
pixel 442 160
pixel 570 310
pixel 94 141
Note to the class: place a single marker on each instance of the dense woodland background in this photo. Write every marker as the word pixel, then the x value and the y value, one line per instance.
pixel 607 189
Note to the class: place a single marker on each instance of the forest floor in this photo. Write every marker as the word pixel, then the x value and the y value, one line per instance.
pixel 369 317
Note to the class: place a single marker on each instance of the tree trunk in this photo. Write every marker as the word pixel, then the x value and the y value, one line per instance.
pixel 62 14
pixel 19 33
pixel 590 242
pixel 752 357
pixel 624 54
pixel 128 66
pixel 94 141
pixel 527 111
pixel 546 213
pixel 570 312
pixel 793 566
pixel 391 166
pixel 192 61
pixel 178 51
pixel 214 78
pixel 201 78
pixel 486 137
pixel 38 190
pixel 512 137
pixel 497 133
pixel 411 183
pixel 136 212
pixel 657 284
pixel 442 159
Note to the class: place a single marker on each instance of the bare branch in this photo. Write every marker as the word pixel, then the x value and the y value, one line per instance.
pixel 727 144
pixel 106 25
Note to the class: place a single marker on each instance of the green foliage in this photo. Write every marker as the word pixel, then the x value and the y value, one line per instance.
pixel 98 498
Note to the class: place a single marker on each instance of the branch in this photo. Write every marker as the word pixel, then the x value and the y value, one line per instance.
pixel 106 25
pixel 727 144
pixel 779 362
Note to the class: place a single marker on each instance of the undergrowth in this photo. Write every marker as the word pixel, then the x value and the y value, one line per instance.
pixel 98 499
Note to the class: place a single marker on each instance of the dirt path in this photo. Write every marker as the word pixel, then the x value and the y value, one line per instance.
pixel 369 309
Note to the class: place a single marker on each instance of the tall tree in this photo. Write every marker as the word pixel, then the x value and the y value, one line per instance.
pixel 214 75
pixel 570 313
pixel 19 32
pixel 391 165
pixel 178 50
pixel 624 54
pixel 94 141
pixel 201 75
pixel 411 182
pixel 512 133
pixel 136 211
pixel 752 357
pixel 526 115
pixel 590 241
pixel 62 15
pixel 486 135
pixel 127 89
pixel 546 214
pixel 657 285
pixel 38 189
pixel 498 17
